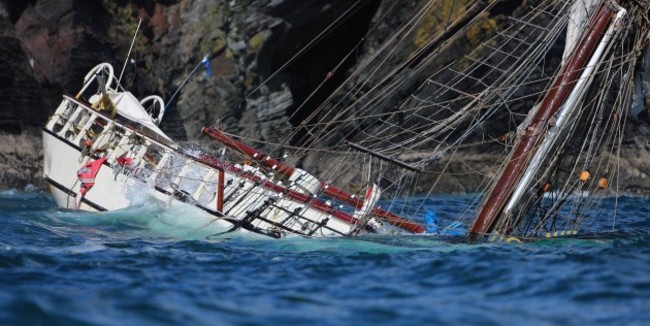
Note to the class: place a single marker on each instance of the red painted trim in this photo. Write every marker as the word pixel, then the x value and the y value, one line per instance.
pixel 220 188
pixel 329 190
pixel 251 152
pixel 299 197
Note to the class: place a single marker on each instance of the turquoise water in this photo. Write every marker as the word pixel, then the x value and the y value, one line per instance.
pixel 149 265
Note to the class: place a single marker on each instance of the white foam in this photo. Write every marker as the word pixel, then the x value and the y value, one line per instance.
pixel 86 247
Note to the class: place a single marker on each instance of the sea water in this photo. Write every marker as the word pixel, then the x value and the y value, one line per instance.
pixel 151 264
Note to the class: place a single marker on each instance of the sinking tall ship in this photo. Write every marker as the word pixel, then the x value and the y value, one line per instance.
pixel 373 154
pixel 98 153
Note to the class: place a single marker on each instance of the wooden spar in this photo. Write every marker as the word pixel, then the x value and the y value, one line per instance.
pixel 383 157
pixel 493 206
pixel 248 151
pixel 329 190
pixel 562 118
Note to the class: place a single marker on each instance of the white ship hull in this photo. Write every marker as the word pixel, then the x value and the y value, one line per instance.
pixel 234 196
pixel 104 155
pixel 113 190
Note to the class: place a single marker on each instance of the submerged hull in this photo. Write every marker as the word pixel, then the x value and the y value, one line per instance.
pixel 129 161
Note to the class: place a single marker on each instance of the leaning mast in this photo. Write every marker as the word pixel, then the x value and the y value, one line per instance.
pixel 492 208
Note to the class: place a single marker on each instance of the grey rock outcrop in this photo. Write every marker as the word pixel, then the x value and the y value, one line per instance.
pixel 264 68
pixel 49 45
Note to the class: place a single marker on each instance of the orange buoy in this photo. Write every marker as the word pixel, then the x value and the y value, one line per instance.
pixel 602 183
pixel 584 176
pixel 546 187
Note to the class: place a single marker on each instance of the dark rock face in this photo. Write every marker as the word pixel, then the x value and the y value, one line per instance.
pixel 40 41
pixel 21 108
pixel 47 46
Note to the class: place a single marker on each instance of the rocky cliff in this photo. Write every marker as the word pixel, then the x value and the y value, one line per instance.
pixel 48 45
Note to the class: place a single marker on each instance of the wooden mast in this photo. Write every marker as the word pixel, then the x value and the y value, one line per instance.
pixel 493 206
